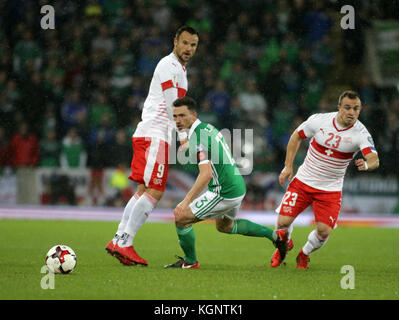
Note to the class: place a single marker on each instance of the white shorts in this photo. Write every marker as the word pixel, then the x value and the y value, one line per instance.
pixel 211 205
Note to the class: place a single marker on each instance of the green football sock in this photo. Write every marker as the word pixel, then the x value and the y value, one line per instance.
pixel 187 243
pixel 251 229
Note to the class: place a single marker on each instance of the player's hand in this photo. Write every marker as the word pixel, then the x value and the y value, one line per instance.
pixel 360 164
pixel 287 172
pixel 183 145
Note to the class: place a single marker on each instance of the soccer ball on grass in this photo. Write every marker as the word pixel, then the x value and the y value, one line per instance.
pixel 61 259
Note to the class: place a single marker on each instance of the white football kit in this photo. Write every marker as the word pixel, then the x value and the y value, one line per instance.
pixel 331 149
pixel 157 115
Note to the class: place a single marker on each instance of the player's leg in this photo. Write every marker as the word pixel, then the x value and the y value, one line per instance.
pixel 140 211
pixel 295 200
pixel 110 248
pixel 316 240
pixel 244 227
pixel 326 208
pixel 152 169
pixel 139 146
pixel 127 212
pixel 186 237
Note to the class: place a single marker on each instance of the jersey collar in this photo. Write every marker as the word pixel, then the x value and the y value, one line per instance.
pixel 193 126
pixel 337 127
pixel 177 59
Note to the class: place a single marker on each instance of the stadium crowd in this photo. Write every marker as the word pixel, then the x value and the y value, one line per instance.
pixel 71 96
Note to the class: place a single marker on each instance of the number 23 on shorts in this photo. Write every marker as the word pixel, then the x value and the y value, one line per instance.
pixel 290 198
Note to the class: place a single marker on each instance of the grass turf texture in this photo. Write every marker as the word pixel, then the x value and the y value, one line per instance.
pixel 233 267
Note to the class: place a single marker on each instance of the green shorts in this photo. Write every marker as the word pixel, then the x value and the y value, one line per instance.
pixel 211 205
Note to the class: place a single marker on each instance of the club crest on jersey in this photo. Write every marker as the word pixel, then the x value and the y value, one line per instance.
pixel 347 139
pixel 158 182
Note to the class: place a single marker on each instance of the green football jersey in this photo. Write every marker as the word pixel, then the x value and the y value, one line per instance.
pixel 207 143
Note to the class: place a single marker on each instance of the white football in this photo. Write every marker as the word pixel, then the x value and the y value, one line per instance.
pixel 61 259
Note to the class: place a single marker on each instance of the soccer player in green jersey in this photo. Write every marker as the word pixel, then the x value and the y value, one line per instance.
pixel 226 188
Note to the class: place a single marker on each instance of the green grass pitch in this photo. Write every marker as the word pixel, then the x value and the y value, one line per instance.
pixel 233 267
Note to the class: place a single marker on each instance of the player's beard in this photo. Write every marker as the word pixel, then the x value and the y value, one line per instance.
pixel 182 58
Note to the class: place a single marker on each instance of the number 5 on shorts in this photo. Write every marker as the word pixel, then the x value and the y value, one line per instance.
pixel 293 197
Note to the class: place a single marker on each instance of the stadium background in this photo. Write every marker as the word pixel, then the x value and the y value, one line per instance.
pixel 70 98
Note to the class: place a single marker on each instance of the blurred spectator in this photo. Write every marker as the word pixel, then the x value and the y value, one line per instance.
pixel 35 97
pixel 7 111
pixel 98 109
pixel 121 150
pixel 219 100
pixel 312 90
pixel 99 158
pixel 317 22
pixel 389 141
pixel 104 41
pixel 5 152
pixel 26 51
pixel 121 78
pixel 24 147
pixel 104 130
pixel 49 150
pixel 252 102
pixel 291 83
pixel 367 90
pixel 73 111
pixel 207 115
pixel 73 152
pixel 323 56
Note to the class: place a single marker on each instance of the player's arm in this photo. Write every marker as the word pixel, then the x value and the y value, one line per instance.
pixel 372 162
pixel 292 149
pixel 203 178
pixel 170 95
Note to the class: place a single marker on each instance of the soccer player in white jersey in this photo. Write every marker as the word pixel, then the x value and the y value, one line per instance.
pixel 151 142
pixel 336 137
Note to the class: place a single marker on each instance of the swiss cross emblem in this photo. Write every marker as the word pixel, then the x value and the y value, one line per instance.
pixel 329 152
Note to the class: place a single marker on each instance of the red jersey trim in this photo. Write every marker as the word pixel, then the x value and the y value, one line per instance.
pixel 333 153
pixel 302 134
pixel 336 128
pixel 367 150
pixel 167 84
pixel 181 92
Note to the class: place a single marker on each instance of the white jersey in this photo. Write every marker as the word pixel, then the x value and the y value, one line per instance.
pixel 331 150
pixel 157 115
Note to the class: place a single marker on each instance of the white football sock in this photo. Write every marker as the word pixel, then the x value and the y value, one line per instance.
pixel 142 209
pixel 125 217
pixel 314 242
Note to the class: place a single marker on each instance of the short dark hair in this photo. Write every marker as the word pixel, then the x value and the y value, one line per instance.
pixel 186 101
pixel 350 94
pixel 188 29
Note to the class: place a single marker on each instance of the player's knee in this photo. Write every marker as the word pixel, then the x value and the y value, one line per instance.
pixel 223 228
pixel 182 219
pixel 284 222
pixel 323 233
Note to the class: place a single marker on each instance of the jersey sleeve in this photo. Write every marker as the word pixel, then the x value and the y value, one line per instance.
pixel 199 146
pixel 309 128
pixel 366 143
pixel 168 77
